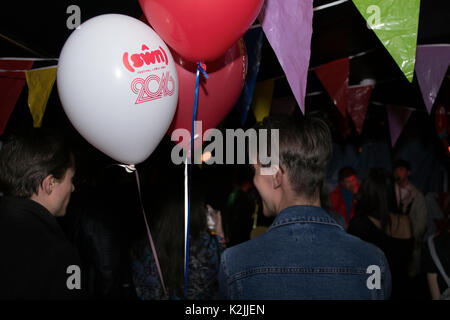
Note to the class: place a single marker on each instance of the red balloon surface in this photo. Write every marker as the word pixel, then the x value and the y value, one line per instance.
pixel 217 94
pixel 201 30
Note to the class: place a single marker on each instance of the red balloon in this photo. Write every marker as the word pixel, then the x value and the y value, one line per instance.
pixel 201 30
pixel 217 94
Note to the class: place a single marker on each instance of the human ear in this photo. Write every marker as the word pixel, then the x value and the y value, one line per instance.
pixel 48 184
pixel 277 177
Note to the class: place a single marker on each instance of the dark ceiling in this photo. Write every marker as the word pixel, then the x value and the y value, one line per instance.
pixel 338 32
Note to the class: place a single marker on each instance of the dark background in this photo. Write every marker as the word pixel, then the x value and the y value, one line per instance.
pixel 338 32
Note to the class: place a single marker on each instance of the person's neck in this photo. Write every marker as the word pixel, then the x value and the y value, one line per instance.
pixel 290 201
pixel 403 183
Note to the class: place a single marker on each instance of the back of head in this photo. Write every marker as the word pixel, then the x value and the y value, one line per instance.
pixel 27 158
pixel 305 148
pixel 167 225
pixel 376 197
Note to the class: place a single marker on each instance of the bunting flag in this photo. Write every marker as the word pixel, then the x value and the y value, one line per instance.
pixel 395 22
pixel 40 83
pixel 287 25
pixel 262 99
pixel 432 62
pixel 334 78
pixel 397 118
pixel 253 42
pixel 11 85
pixel 358 98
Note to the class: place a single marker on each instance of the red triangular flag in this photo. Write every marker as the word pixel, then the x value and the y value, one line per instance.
pixel 11 85
pixel 397 118
pixel 358 98
pixel 334 77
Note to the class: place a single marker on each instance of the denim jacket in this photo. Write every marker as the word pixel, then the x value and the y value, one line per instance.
pixel 304 254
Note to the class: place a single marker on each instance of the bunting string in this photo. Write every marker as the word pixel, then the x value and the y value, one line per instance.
pixel 29 59
pixel 49 67
pixel 318 8
pixel 19 44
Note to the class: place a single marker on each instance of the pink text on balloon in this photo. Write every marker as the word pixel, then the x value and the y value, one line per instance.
pixel 141 87
pixel 148 57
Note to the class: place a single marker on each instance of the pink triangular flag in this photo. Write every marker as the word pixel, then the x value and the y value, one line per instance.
pixel 432 62
pixel 287 25
pixel 397 118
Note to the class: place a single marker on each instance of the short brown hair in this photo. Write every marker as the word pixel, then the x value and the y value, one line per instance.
pixel 305 148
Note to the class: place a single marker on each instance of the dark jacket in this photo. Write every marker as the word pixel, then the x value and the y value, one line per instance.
pixel 34 253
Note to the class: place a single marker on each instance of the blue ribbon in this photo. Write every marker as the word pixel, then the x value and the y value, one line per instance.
pixel 194 116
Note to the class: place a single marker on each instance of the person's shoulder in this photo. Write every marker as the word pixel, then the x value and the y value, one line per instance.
pixel 415 190
pixel 245 250
pixel 243 246
pixel 338 218
pixel 352 240
pixel 337 190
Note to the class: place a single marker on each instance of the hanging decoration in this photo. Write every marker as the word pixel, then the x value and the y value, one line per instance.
pixel 334 77
pixel 40 83
pixel 288 27
pixel 397 117
pixel 432 62
pixel 11 85
pixel 395 22
pixel 358 98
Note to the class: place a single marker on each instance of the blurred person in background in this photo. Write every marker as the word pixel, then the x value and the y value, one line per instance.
pixel 378 220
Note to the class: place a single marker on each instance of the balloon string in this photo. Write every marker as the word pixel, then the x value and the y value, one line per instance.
pixel 130 169
pixel 200 67
pixel 152 245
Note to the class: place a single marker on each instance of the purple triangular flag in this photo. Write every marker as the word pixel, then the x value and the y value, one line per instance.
pixel 397 118
pixel 431 66
pixel 288 27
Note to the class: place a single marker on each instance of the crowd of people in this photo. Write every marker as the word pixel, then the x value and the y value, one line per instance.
pixel 373 237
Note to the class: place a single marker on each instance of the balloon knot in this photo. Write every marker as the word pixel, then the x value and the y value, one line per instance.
pixel 202 67
pixel 130 168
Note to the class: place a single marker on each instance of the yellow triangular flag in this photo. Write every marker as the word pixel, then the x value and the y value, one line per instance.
pixel 262 99
pixel 40 83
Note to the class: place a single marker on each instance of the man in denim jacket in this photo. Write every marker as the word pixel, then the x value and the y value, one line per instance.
pixel 304 254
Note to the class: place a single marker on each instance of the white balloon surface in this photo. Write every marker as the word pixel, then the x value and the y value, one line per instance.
pixel 118 85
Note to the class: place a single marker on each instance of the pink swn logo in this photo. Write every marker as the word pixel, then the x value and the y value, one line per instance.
pixel 146 56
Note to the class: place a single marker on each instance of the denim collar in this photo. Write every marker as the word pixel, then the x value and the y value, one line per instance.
pixel 303 214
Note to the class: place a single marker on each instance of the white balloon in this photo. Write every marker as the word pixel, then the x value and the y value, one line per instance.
pixel 118 85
